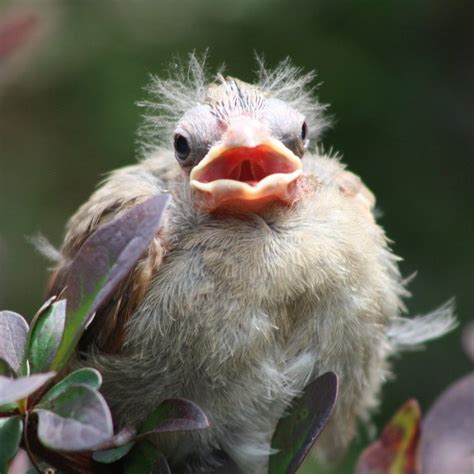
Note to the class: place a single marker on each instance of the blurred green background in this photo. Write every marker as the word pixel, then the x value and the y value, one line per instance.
pixel 399 77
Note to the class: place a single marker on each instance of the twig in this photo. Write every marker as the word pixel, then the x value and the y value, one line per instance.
pixel 27 445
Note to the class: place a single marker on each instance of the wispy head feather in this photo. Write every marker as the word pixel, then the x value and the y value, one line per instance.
pixel 189 84
pixel 297 88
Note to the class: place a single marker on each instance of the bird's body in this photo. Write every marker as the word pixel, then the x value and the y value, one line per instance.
pixel 238 311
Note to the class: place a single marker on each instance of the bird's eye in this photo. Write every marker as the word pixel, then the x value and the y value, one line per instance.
pixel 181 147
pixel 304 131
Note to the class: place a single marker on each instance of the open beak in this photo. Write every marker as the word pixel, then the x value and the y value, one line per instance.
pixel 246 178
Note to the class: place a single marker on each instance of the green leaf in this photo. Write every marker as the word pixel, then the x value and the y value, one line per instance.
pixel 77 419
pixel 13 334
pixel 85 376
pixel 297 432
pixel 111 455
pixel 144 457
pixel 12 390
pixel 10 436
pixel 101 264
pixel 396 450
pixel 174 415
pixel 5 368
pixel 8 407
pixel 45 335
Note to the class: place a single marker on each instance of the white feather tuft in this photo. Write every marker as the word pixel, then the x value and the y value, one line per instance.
pixel 295 87
pixel 406 334
pixel 185 87
pixel 45 248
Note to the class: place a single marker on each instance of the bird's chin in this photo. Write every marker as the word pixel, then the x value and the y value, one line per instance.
pixel 247 179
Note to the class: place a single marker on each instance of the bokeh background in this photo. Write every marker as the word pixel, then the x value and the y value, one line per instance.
pixel 398 76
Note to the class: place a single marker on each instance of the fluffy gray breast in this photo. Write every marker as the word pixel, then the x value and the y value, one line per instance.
pixel 245 280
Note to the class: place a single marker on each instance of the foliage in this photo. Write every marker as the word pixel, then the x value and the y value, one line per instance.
pixel 441 443
pixel 297 432
pixel 397 448
pixel 65 411
pixel 448 430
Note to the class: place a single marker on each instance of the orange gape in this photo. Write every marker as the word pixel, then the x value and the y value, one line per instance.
pixel 248 165
pixel 246 178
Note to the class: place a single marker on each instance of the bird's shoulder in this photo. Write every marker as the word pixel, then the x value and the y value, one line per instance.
pixel 330 172
pixel 120 191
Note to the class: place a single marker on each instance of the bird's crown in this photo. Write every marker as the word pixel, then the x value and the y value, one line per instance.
pixel 189 84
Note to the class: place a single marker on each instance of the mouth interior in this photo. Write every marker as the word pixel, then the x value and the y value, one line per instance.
pixel 247 165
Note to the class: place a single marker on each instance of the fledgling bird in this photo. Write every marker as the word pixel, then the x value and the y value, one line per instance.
pixel 269 270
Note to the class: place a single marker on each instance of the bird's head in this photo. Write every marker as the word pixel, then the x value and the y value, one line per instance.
pixel 240 146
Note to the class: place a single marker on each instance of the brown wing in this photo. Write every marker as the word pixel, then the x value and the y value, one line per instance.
pixel 122 190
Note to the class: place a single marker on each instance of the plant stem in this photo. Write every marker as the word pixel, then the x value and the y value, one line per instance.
pixel 27 445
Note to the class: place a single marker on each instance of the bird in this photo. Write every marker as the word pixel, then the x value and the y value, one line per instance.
pixel 269 269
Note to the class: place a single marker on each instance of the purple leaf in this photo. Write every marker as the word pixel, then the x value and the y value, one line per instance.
pixel 116 447
pixel 297 432
pixel 45 335
pixel 174 415
pixel 77 419
pixel 84 376
pixel 124 436
pixel 468 340
pixel 12 390
pixel 101 264
pixel 13 335
pixel 447 440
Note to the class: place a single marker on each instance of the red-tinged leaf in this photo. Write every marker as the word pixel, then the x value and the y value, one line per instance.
pixel 12 390
pixel 101 264
pixel 13 335
pixel 45 335
pixel 78 419
pixel 10 435
pixel 174 415
pixel 447 441
pixel 396 450
pixel 16 31
pixel 297 432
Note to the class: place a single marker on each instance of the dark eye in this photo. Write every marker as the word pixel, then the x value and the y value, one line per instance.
pixel 181 147
pixel 304 131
